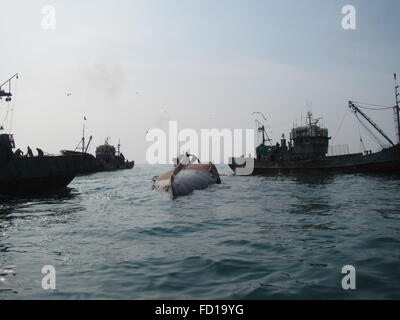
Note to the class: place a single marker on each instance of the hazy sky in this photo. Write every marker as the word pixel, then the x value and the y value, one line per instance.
pixel 132 65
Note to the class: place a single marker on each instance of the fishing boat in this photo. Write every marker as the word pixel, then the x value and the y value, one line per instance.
pixel 107 157
pixel 112 159
pixel 187 177
pixel 307 150
pixel 26 174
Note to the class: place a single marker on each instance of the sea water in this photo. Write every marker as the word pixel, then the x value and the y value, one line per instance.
pixel 110 236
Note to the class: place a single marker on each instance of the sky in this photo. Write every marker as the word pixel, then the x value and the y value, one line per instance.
pixel 131 66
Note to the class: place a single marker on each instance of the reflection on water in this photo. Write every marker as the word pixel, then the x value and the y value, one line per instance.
pixel 312 194
pixel 60 194
pixel 36 207
pixel 29 214
pixel 314 180
pixel 311 207
pixel 10 205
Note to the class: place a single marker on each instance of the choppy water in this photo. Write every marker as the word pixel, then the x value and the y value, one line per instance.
pixel 111 237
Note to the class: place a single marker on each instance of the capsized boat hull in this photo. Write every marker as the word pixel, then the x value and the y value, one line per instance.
pixel 185 179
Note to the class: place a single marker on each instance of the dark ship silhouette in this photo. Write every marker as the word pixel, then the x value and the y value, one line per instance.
pixel 107 157
pixel 20 175
pixel 308 148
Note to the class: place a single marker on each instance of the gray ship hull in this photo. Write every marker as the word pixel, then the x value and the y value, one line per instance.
pixel 91 164
pixel 39 174
pixel 385 161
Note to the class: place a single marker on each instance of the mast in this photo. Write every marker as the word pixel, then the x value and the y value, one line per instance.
pixel 396 109
pixel 83 138
pixel 261 128
pixel 356 110
pixel 309 117
pixel 263 134
pixel 84 148
pixel 8 98
pixel 82 143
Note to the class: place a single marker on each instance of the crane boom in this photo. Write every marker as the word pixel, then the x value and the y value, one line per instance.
pixel 9 80
pixel 88 144
pixel 357 110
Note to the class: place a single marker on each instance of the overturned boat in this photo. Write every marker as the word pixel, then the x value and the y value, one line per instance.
pixel 187 177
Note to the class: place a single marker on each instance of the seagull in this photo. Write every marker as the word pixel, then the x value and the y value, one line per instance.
pixel 69 94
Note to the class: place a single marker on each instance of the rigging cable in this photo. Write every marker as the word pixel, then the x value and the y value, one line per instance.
pixel 341 124
pixel 381 144
pixel 362 145
pixel 376 109
pixel 2 106
pixel 372 105
pixel 13 107
pixel 6 116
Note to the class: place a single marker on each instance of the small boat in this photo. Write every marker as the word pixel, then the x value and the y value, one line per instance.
pixel 112 159
pixel 107 157
pixel 187 177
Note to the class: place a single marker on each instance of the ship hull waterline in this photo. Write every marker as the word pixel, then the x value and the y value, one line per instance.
pixel 34 185
pixel 21 175
pixel 384 162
